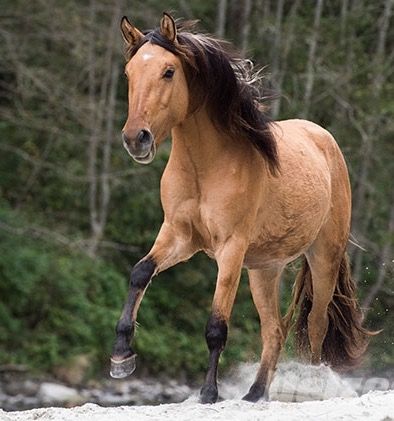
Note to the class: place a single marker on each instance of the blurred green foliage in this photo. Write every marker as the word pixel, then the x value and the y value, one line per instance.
pixel 55 303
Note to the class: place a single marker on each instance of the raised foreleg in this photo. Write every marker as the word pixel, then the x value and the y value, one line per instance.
pixel 169 249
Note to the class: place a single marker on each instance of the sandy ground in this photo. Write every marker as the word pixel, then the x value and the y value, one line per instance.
pixel 372 406
pixel 298 392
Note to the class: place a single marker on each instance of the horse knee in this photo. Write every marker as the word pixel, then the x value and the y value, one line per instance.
pixel 142 273
pixel 216 333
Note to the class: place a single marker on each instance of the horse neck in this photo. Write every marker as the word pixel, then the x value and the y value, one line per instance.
pixel 198 142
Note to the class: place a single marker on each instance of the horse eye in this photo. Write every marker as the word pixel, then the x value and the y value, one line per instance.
pixel 169 73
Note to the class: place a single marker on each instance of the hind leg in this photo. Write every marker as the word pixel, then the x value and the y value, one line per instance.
pixel 264 285
pixel 324 262
pixel 325 255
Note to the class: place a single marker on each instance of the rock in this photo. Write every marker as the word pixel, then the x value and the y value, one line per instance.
pixel 29 388
pixel 12 388
pixel 22 394
pixel 176 392
pixel 13 368
pixel 19 387
pixel 74 371
pixel 120 387
pixel 54 393
pixel 139 392
pixel 19 402
pixel 12 372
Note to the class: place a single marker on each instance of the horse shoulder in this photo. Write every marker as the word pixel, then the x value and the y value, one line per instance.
pixel 179 195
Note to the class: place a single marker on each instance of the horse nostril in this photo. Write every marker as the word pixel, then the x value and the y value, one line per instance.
pixel 144 136
pixel 125 139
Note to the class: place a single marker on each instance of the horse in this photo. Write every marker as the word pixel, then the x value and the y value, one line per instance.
pixel 248 191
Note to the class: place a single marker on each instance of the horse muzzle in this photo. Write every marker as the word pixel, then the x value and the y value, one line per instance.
pixel 140 147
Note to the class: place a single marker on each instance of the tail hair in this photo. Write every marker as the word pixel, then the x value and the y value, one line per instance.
pixel 346 339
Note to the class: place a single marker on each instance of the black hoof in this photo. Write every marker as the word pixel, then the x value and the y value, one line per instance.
pixel 208 394
pixel 255 393
pixel 122 368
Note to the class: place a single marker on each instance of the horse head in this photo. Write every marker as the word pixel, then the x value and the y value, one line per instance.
pixel 157 88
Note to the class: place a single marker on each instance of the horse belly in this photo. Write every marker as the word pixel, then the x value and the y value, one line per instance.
pixel 276 252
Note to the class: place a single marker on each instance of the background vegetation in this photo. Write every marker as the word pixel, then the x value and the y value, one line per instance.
pixel 76 212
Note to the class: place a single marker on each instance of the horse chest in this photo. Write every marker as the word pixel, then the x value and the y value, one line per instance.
pixel 209 215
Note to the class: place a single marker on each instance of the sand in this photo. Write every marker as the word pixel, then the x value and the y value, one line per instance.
pixel 298 392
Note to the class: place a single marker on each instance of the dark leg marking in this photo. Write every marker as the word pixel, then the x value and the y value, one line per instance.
pixel 123 356
pixel 256 392
pixel 258 388
pixel 216 337
pixel 142 273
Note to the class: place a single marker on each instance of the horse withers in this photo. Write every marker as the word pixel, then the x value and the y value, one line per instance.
pixel 247 191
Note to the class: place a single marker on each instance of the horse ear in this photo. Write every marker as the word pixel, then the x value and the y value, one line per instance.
pixel 168 27
pixel 130 33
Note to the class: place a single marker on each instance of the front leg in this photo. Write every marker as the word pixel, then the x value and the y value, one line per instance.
pixel 169 249
pixel 264 286
pixel 123 356
pixel 229 260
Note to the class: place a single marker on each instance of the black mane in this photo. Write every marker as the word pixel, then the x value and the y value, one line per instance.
pixel 224 83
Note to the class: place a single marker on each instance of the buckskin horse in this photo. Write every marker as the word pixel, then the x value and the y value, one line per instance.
pixel 247 191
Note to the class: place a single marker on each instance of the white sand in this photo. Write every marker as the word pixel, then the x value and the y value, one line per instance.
pixel 373 406
pixel 293 382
